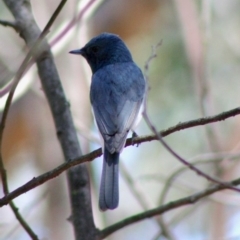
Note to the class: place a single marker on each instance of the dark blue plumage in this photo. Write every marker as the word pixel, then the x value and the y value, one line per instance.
pixel 116 94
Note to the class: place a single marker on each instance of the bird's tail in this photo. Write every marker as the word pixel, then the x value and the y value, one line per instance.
pixel 108 196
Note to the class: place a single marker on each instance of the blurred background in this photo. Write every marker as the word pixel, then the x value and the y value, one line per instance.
pixel 195 74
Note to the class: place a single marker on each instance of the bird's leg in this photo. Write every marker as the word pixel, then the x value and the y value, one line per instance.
pixel 134 135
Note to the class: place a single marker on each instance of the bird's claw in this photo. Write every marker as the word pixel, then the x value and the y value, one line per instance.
pixel 134 135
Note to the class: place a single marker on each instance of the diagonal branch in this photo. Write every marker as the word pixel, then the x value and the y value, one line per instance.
pixel 97 153
pixel 164 208
pixel 73 21
pixel 182 160
pixel 189 124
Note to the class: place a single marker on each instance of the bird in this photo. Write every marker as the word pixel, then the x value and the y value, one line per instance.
pixel 117 94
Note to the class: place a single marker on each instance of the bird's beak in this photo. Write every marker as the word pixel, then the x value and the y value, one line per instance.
pixel 78 51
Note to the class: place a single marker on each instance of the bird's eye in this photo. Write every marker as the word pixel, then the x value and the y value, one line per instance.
pixel 94 49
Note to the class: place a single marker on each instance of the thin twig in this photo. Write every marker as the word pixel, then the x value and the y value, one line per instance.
pixel 72 22
pixel 151 57
pixel 218 158
pixel 186 163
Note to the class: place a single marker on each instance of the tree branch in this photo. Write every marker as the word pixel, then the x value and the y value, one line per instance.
pixel 182 160
pixel 97 153
pixel 9 24
pixel 164 208
pixel 78 179
pixel 13 86
pixel 73 21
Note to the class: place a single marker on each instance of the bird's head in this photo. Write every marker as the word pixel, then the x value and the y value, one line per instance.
pixel 103 50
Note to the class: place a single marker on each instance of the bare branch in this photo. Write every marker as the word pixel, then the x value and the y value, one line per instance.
pixel 72 22
pixel 164 208
pixel 97 153
pixel 9 24
pixel 151 57
pixel 182 160
pixel 189 124
pixel 216 159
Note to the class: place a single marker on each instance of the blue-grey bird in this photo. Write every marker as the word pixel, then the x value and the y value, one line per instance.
pixel 117 92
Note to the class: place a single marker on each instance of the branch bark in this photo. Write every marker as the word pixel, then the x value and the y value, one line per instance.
pixel 78 179
pixel 36 181
pixel 9 24
pixel 164 208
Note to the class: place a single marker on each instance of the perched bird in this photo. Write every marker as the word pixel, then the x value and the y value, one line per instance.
pixel 117 92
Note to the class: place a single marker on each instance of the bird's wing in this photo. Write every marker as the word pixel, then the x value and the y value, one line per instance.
pixel 117 93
